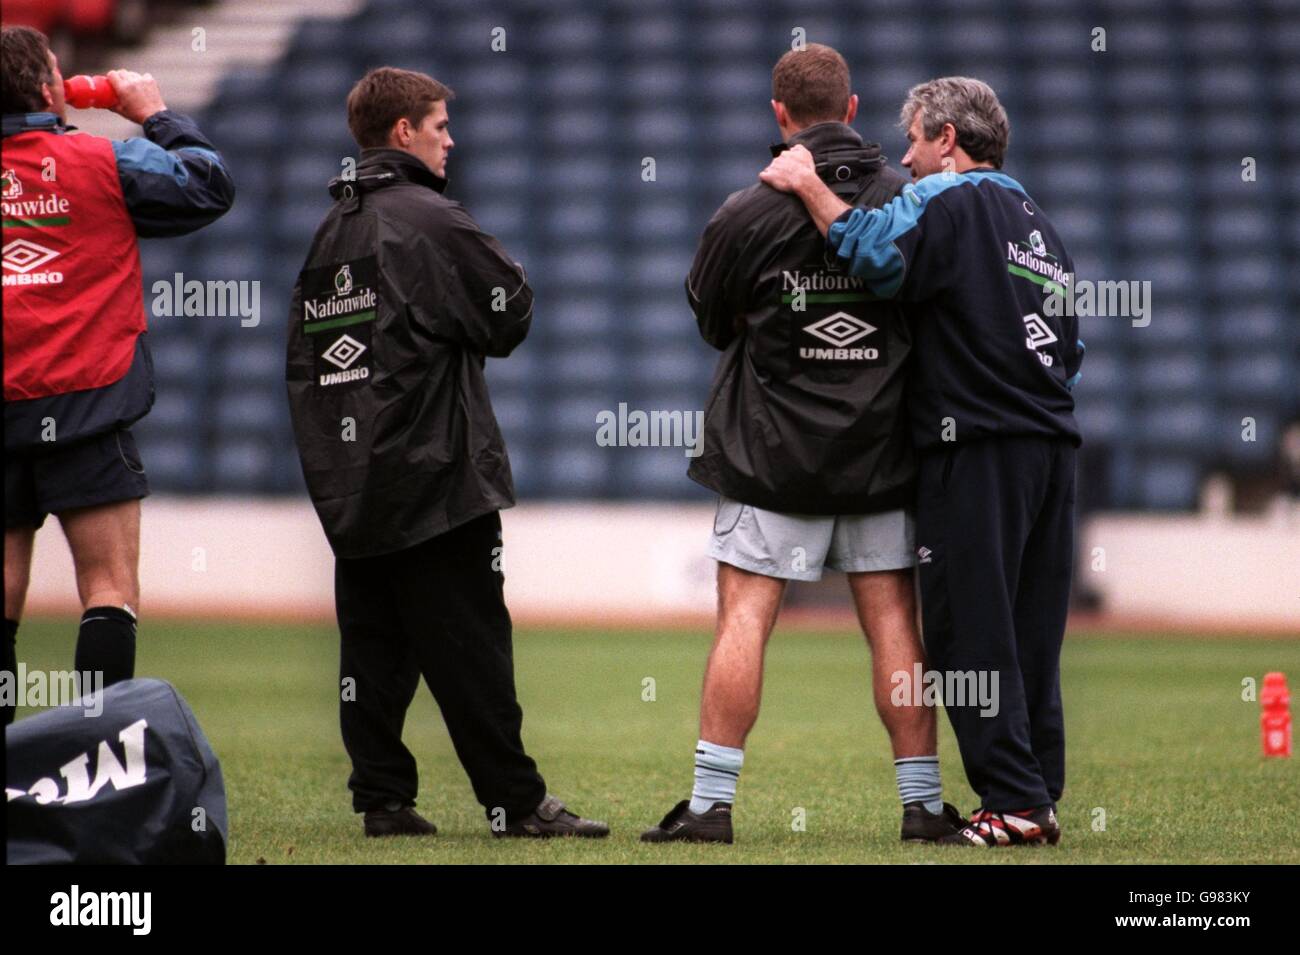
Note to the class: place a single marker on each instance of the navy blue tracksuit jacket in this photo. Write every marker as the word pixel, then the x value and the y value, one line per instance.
pixel 974 259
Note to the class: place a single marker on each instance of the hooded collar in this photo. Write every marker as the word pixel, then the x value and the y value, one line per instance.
pixel 380 167
pixel 824 137
pixel 15 123
pixel 838 151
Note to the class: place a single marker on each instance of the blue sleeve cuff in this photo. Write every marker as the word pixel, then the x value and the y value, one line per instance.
pixel 1074 379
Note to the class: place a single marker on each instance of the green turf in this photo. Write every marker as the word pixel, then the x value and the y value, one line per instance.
pixel 1159 738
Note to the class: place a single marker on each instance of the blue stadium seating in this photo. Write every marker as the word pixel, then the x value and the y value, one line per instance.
pixel 1135 152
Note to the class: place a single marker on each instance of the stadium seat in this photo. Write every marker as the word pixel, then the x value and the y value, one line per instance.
pixel 673 365
pixel 174 462
pixel 729 36
pixel 658 474
pixel 1260 326
pixel 576 470
pixel 1248 436
pixel 514 414
pixel 1170 483
pixel 1100 420
pixel 519 370
pixel 667 221
pixel 177 360
pixel 581 219
pixel 177 415
pixel 589 366
pixel 648 33
pixel 1250 372
pixel 241 464
pixel 1172 326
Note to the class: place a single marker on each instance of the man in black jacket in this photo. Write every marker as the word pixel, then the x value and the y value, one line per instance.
pixel 401 298
pixel 807 447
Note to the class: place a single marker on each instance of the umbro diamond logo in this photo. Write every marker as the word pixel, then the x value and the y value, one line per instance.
pixel 840 329
pixel 344 352
pixel 23 255
pixel 1037 332
pixel 924 555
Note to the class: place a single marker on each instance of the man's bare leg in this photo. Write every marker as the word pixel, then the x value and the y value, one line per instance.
pixel 18 569
pixel 748 604
pixel 19 542
pixel 886 605
pixel 105 545
pixel 733 682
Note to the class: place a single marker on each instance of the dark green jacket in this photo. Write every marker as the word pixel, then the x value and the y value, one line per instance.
pixel 805 415
pixel 401 298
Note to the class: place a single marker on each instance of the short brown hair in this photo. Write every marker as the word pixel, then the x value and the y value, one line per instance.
pixel 813 83
pixel 972 107
pixel 387 94
pixel 25 55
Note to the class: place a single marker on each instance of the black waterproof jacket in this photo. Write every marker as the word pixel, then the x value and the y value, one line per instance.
pixel 806 410
pixel 401 297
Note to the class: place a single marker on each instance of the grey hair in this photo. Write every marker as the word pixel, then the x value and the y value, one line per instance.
pixel 973 109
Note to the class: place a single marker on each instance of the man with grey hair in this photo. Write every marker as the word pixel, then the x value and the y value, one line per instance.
pixel 972 258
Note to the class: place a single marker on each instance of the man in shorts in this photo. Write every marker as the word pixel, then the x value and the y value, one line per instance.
pixel 77 371
pixel 806 444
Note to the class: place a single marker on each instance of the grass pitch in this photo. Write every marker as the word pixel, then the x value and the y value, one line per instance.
pixel 1164 756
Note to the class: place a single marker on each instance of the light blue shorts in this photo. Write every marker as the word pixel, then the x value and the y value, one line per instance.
pixel 801 546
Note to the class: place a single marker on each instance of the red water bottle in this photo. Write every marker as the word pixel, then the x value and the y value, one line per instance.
pixel 1275 715
pixel 89 92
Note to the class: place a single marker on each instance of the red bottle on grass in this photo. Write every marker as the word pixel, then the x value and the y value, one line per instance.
pixel 1275 715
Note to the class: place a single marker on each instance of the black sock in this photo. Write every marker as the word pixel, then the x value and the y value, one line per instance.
pixel 11 664
pixel 106 643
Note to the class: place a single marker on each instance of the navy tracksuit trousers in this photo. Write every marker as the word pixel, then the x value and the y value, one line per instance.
pixel 436 609
pixel 995 538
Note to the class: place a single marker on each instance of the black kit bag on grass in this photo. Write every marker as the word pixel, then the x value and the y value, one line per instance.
pixel 135 784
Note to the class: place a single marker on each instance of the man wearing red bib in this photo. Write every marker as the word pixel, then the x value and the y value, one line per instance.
pixel 77 371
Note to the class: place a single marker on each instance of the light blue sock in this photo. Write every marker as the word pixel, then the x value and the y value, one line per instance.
pixel 716 770
pixel 918 781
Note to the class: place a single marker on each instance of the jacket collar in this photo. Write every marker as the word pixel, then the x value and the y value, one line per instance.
pixel 381 167
pixel 826 137
pixel 838 151
pixel 15 123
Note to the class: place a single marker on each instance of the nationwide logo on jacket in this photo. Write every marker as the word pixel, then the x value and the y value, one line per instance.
pixel 39 210
pixel 824 330
pixel 1031 260
pixel 339 305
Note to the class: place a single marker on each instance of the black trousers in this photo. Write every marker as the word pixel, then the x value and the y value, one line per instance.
pixel 995 538
pixel 437 610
